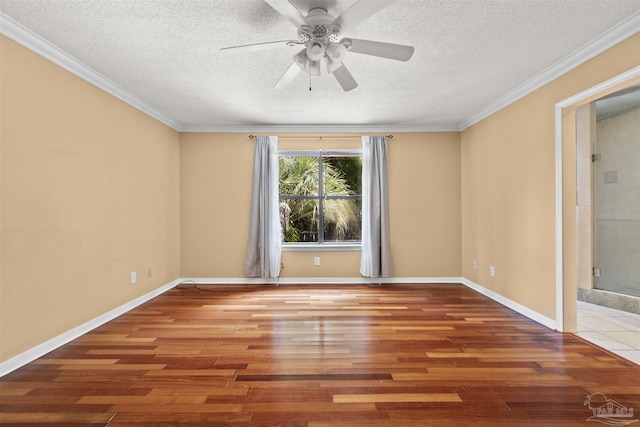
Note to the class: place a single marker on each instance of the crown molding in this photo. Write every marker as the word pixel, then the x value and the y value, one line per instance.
pixel 603 42
pixel 320 128
pixel 17 32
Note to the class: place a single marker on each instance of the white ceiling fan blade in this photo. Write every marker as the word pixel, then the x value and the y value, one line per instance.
pixel 398 52
pixel 287 10
pixel 345 78
pixel 256 47
pixel 288 76
pixel 359 12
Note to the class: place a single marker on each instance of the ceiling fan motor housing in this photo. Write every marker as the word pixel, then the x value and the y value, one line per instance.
pixel 318 25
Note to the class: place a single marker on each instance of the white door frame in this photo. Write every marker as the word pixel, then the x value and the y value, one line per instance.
pixel 573 100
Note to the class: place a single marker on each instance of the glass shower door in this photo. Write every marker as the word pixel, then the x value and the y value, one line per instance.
pixel 616 211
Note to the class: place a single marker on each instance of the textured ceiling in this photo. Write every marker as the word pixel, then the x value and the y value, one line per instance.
pixel 468 53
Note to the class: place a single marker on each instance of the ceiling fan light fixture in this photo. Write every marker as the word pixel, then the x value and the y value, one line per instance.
pixel 316 50
pixel 332 66
pixel 305 33
pixel 301 59
pixel 303 37
pixel 346 43
pixel 336 52
pixel 314 68
pixel 334 31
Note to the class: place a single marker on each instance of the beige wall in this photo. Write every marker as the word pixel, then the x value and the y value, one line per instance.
pixel 425 204
pixel 508 187
pixel 215 180
pixel 424 186
pixel 89 193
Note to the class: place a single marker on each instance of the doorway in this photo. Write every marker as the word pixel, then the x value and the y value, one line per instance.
pixel 574 253
pixel 608 222
pixel 608 200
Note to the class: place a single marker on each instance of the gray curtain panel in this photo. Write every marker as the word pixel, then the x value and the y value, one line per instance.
pixel 376 245
pixel 264 245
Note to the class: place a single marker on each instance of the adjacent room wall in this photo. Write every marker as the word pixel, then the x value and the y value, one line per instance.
pixel 424 181
pixel 89 193
pixel 508 187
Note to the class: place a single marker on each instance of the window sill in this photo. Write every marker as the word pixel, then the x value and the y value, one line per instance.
pixel 324 247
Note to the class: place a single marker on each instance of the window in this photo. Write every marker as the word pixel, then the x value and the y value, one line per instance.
pixel 321 196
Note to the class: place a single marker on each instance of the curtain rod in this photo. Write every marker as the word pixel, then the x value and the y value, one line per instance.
pixel 318 137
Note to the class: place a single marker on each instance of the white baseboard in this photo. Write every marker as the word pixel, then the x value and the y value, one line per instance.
pixel 316 280
pixel 533 315
pixel 52 344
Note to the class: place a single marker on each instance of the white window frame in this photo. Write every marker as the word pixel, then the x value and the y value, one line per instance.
pixel 320 245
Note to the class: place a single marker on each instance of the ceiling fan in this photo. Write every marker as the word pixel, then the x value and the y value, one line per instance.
pixel 323 52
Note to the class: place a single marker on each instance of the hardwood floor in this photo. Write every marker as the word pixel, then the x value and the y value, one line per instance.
pixel 316 356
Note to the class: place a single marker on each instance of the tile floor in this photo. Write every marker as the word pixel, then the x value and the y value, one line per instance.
pixel 614 330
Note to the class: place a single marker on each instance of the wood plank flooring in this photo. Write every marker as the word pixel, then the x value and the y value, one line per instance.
pixel 317 356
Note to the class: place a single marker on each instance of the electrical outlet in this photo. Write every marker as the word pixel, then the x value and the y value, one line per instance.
pixel 316 261
pixel 134 277
pixel 492 271
pixel 474 264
